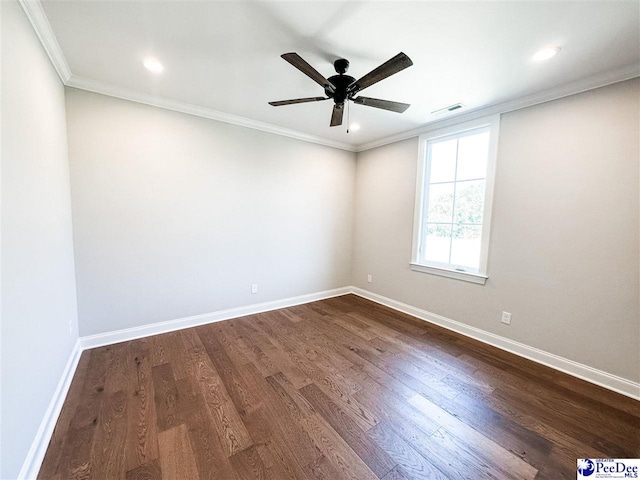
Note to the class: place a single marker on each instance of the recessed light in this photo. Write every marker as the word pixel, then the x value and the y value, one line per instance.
pixel 545 54
pixel 153 65
pixel 354 127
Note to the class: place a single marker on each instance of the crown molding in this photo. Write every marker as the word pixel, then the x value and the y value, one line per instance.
pixel 590 83
pixel 35 13
pixel 111 90
pixel 596 81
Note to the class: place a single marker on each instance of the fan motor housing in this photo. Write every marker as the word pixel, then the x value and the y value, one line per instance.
pixel 341 82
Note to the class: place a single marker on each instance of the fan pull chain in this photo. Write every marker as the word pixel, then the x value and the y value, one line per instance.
pixel 348 116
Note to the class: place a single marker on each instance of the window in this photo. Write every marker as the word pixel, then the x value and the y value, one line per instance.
pixel 453 201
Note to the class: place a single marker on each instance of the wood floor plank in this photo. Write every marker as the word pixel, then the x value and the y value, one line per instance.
pixel 354 325
pixel 93 390
pixel 332 446
pixel 272 425
pixel 171 345
pixel 530 427
pixel 168 414
pixel 361 415
pixel 309 334
pixel 142 435
pixel 556 467
pixel 208 451
pixel 278 356
pixel 300 335
pixel 430 378
pixel 398 473
pixel 228 424
pixel 234 348
pixel 75 459
pixel 410 416
pixel 500 458
pixel 380 330
pixel 248 465
pixel 107 459
pixel 149 471
pixel 244 397
pixel 336 389
pixel 275 466
pixel 266 430
pixel 409 373
pixel 323 469
pixel 297 405
pixel 176 456
pixel 435 358
pixel 345 338
pixel 375 458
pixel 394 409
pixel 405 455
pixel 505 430
pixel 337 451
pixel 283 428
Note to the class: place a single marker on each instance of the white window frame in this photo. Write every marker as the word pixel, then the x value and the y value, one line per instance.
pixel 422 192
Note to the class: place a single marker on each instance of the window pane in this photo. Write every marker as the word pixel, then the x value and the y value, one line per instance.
pixel 443 161
pixel 440 203
pixel 472 156
pixel 465 246
pixel 437 243
pixel 469 202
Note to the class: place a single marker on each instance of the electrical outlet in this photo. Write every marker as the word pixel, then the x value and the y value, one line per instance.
pixel 254 288
pixel 506 318
pixel 369 278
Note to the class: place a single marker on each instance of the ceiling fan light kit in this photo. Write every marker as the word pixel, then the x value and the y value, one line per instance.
pixel 342 88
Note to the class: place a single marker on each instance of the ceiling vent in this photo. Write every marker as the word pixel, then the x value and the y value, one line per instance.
pixel 450 108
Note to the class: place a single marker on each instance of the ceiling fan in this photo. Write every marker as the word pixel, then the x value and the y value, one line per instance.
pixel 342 88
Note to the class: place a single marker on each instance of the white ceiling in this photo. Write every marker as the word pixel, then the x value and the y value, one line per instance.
pixel 225 56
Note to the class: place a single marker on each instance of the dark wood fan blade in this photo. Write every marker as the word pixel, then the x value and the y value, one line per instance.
pixel 336 116
pixel 388 68
pixel 384 104
pixel 298 62
pixel 297 100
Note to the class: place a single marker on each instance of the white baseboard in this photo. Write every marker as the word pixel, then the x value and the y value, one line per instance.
pixel 584 372
pixel 33 462
pixel 127 334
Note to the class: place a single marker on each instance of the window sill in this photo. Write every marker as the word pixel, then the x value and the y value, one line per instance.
pixel 443 272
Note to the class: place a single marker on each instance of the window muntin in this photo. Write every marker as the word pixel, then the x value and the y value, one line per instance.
pixel 455 189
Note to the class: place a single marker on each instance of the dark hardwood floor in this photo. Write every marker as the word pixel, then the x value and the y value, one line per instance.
pixel 337 389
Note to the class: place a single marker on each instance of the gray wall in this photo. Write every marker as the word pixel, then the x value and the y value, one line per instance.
pixel 176 215
pixel 564 251
pixel 38 287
